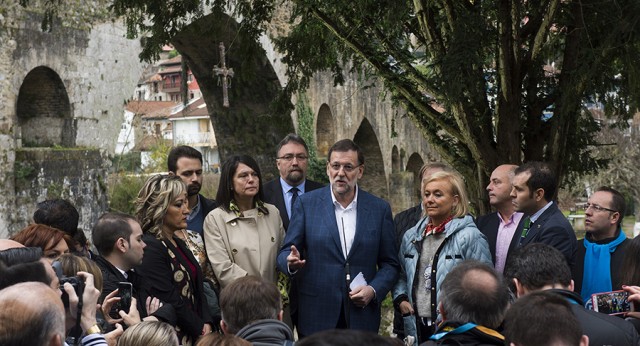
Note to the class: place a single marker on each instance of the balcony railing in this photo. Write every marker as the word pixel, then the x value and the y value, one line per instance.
pixel 200 138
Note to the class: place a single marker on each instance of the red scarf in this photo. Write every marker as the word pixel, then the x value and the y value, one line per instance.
pixel 431 229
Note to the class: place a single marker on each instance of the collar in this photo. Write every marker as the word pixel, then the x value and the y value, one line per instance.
pixel 537 214
pixel 126 276
pixel 286 187
pixel 353 203
pixel 196 210
pixel 514 218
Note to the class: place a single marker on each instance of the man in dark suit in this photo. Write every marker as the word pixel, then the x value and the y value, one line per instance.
pixel 500 226
pixel 292 161
pixel 118 238
pixel 186 162
pixel 534 186
pixel 346 235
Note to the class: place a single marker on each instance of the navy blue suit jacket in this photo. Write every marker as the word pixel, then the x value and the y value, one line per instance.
pixel 273 195
pixel 552 228
pixel 321 282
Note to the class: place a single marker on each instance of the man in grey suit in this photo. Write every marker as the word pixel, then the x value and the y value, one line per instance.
pixel 292 161
pixel 534 186
pixel 350 256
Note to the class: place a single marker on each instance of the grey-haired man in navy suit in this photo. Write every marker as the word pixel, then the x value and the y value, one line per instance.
pixel 346 235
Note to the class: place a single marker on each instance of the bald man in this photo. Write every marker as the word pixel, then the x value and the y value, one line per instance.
pixel 500 226
pixel 32 314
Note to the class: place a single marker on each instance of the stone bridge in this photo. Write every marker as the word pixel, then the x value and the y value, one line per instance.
pixel 62 96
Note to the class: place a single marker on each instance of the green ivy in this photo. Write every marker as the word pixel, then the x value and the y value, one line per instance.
pixel 317 165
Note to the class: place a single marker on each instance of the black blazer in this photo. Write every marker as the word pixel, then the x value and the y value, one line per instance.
pixel 273 195
pixel 488 225
pixel 111 276
pixel 551 228
pixel 156 270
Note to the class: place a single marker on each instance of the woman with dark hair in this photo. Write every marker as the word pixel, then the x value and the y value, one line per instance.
pixel 52 241
pixel 168 267
pixel 242 236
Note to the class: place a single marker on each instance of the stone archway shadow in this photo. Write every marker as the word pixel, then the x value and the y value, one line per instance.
pixel 414 163
pixel 374 179
pixel 250 125
pixel 325 130
pixel 43 110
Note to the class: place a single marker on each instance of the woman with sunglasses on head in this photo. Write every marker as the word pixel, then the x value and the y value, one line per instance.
pixel 168 267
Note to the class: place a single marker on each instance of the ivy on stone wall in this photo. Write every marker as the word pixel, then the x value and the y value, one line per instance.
pixel 317 165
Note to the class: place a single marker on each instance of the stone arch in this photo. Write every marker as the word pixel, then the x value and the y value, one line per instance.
pixel 396 163
pixel 325 130
pixel 374 179
pixel 414 163
pixel 251 124
pixel 43 110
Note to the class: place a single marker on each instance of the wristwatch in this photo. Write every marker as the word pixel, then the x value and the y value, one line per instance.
pixel 94 330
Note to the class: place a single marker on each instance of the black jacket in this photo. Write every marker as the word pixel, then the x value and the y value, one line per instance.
pixel 616 264
pixel 601 329
pixel 111 276
pixel 273 195
pixel 207 205
pixel 159 274
pixel 407 219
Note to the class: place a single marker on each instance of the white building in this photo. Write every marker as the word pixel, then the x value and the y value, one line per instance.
pixel 191 126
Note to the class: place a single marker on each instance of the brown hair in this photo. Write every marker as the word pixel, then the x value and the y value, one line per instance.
pixel 72 264
pixel 42 236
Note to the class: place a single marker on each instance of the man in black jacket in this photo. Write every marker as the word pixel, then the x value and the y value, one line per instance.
pixel 473 301
pixel 500 226
pixel 118 238
pixel 186 162
pixel 537 267
pixel 534 187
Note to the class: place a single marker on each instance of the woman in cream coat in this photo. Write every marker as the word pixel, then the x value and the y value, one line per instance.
pixel 242 236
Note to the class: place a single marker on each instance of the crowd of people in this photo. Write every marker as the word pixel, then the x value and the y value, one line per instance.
pixel 293 261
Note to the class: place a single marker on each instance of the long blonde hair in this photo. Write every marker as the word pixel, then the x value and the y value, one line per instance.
pixel 457 188
pixel 153 200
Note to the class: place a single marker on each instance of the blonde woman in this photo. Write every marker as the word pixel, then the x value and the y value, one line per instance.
pixel 149 333
pixel 443 238
pixel 168 266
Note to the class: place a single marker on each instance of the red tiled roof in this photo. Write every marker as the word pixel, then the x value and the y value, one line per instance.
pixel 197 109
pixel 151 109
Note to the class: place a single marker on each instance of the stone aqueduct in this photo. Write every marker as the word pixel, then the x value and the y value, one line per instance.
pixel 62 95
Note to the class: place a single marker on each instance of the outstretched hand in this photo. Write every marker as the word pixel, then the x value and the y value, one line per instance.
pixel 294 261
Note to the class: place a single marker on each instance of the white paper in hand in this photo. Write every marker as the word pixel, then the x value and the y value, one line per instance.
pixel 358 281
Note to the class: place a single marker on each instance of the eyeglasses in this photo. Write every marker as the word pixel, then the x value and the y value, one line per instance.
pixel 598 208
pixel 290 157
pixel 347 168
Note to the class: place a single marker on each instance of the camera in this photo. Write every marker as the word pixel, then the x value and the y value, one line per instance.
pixel 75 281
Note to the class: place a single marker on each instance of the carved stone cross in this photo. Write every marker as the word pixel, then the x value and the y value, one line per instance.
pixel 225 73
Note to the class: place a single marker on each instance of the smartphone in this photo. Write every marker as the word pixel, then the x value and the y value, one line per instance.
pixel 612 303
pixel 124 292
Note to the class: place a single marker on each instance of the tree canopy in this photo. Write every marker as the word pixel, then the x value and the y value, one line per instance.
pixel 486 81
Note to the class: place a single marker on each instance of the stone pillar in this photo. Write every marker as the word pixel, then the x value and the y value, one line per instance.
pixel 402 192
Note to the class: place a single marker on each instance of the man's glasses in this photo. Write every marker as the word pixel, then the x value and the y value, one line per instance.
pixel 290 157
pixel 598 208
pixel 347 168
